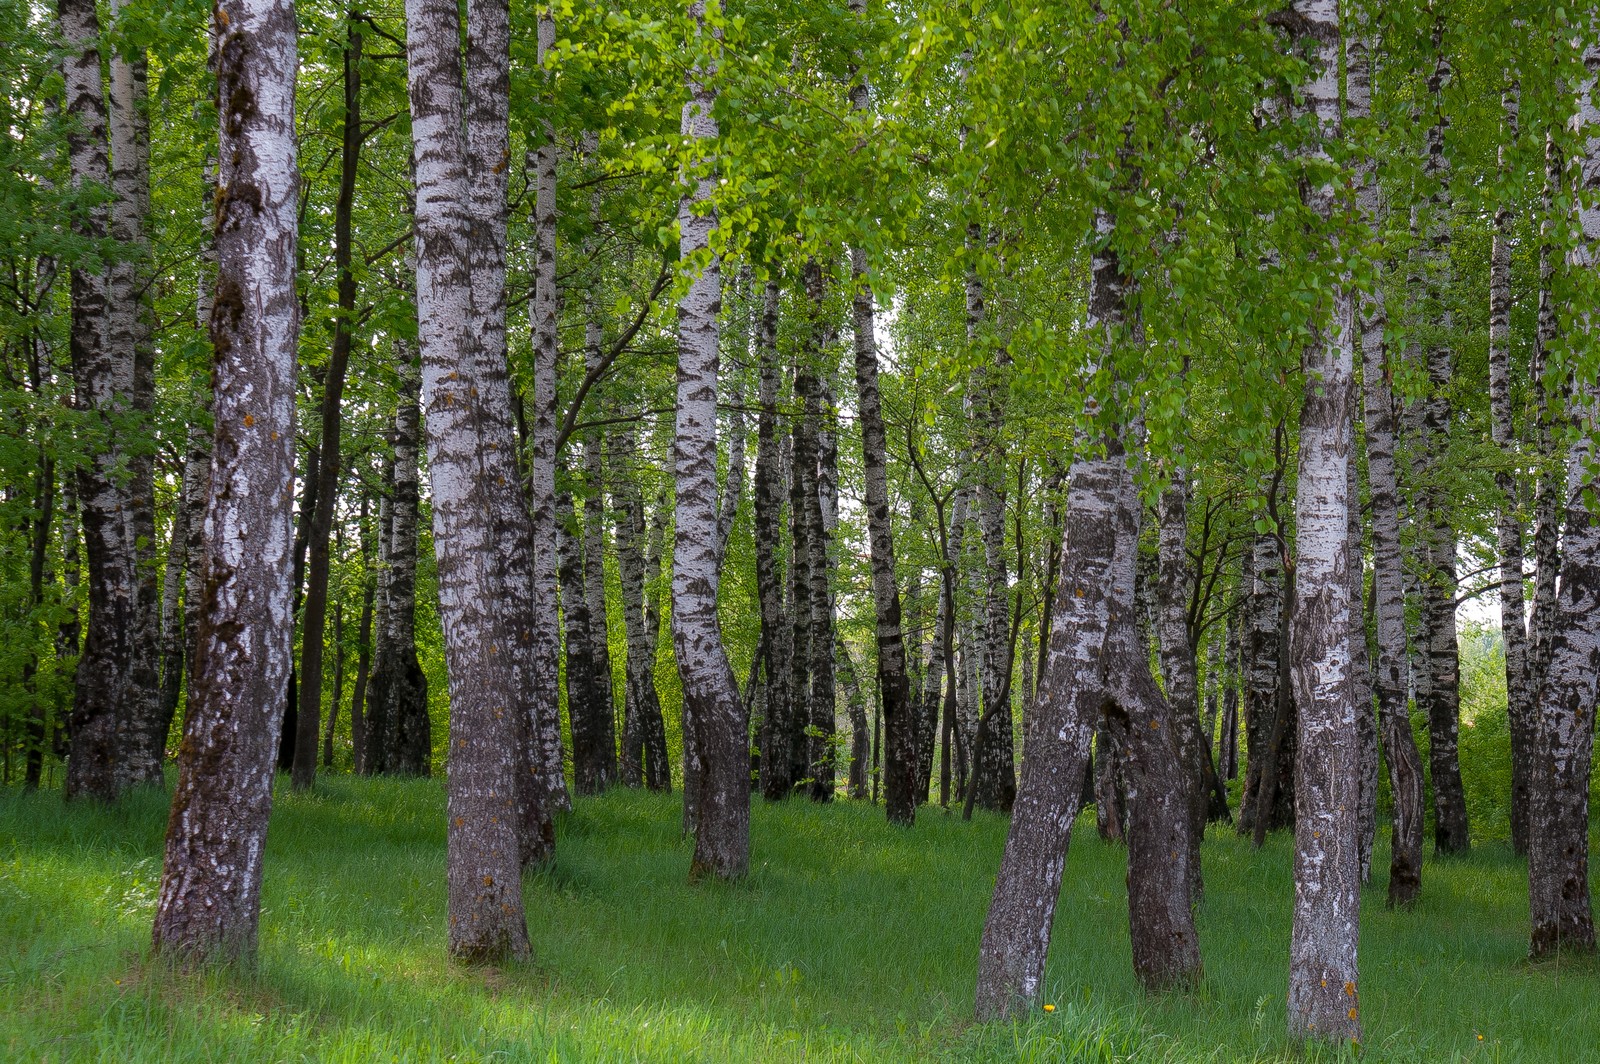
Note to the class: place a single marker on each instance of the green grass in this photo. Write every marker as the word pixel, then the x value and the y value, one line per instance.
pixel 850 941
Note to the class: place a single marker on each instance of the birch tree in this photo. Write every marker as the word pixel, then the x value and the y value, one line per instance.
pixel 210 897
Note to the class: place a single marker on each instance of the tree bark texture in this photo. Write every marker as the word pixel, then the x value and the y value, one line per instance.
pixel 209 901
pixel 1323 970
pixel 484 837
pixel 1558 837
pixel 899 717
pixel 711 696
pixel 399 688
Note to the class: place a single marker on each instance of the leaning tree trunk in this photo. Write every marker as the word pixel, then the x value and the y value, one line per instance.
pixel 313 618
pixel 710 694
pixel 1558 837
pixel 1327 870
pixel 485 843
pixel 209 902
pixel 1094 667
pixel 105 701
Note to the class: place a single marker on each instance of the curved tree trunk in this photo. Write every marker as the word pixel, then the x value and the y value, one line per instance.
pixel 209 901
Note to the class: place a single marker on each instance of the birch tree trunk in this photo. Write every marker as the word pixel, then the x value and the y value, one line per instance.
pixel 1327 872
pixel 485 837
pixel 1508 523
pixel 1093 668
pixel 543 754
pixel 777 634
pixel 819 482
pixel 642 707
pixel 1174 587
pixel 130 335
pixel 105 702
pixel 711 696
pixel 1263 646
pixel 594 577
pixel 358 694
pixel 899 717
pixel 1549 476
pixel 209 901
pixel 399 685
pixel 1439 586
pixel 1558 837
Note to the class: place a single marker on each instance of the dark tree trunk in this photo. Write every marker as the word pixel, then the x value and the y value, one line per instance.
pixel 314 616
pixel 209 902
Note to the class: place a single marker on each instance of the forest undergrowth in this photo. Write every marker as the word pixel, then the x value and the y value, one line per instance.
pixel 850 941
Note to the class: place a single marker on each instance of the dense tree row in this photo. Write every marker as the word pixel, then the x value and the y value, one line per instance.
pixel 999 409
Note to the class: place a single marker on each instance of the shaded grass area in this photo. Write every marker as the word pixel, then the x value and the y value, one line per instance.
pixel 850 941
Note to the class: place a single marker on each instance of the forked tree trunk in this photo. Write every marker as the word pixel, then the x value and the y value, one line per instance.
pixel 485 843
pixel 1094 668
pixel 209 901
pixel 711 696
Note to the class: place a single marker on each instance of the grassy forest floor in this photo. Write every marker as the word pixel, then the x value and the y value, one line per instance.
pixel 850 941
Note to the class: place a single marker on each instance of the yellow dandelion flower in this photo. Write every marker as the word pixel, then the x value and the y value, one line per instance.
pixel 1052 1008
